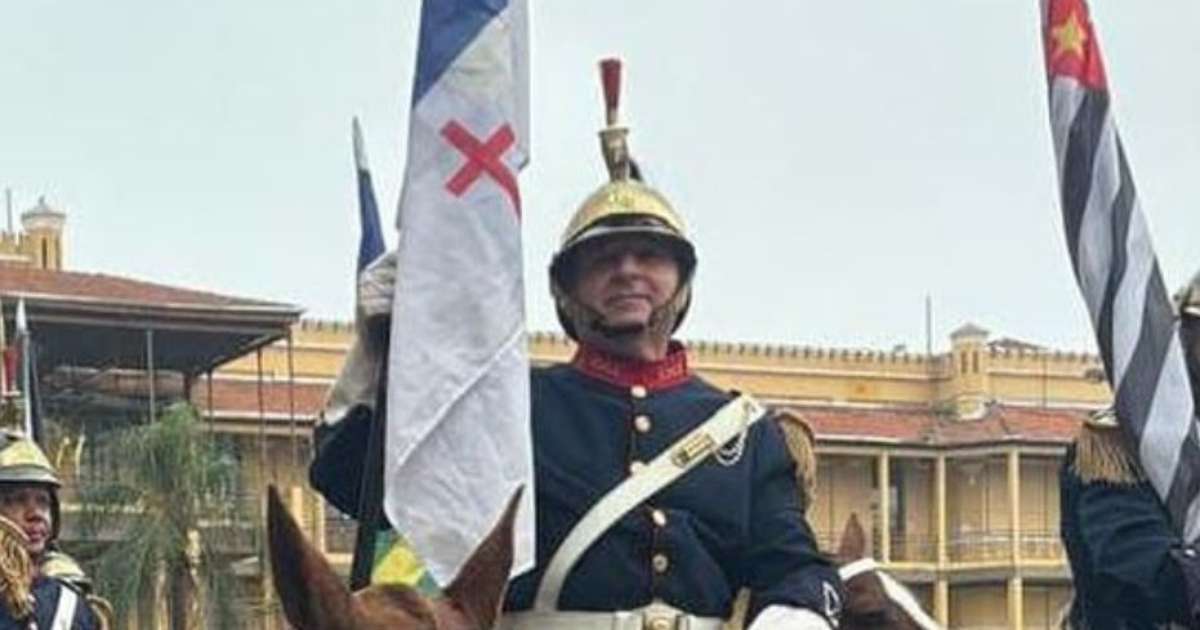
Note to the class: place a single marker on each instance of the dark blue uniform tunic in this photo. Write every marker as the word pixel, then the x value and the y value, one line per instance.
pixel 1130 569
pixel 694 544
pixel 46 592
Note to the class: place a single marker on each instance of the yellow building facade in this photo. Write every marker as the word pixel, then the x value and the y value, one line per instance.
pixel 966 442
pixel 949 460
pixel 39 242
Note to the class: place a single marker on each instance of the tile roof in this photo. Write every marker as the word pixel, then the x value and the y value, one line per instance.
pixel 98 287
pixel 918 427
pixel 238 398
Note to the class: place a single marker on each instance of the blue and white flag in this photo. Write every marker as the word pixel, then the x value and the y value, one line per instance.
pixel 458 436
pixel 370 242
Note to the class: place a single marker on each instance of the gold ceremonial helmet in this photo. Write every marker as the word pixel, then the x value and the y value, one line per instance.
pixel 623 206
pixel 23 462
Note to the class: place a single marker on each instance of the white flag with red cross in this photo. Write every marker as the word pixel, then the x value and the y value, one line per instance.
pixel 458 435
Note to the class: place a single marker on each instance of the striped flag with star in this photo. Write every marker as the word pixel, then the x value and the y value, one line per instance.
pixel 1117 270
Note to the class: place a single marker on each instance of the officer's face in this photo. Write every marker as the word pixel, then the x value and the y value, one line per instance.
pixel 29 507
pixel 625 279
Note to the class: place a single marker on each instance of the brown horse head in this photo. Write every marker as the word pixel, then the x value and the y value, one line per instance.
pixel 314 597
pixel 874 599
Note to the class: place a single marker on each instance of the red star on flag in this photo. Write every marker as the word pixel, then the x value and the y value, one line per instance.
pixel 1071 47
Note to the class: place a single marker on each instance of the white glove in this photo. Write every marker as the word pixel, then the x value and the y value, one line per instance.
pixel 358 381
pixel 376 287
pixel 788 618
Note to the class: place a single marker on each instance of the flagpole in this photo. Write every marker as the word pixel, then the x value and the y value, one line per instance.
pixel 3 359
pixel 26 380
pixel 370 496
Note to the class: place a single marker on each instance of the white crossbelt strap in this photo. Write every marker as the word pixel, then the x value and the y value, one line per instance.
pixel 65 613
pixel 730 421
pixel 656 615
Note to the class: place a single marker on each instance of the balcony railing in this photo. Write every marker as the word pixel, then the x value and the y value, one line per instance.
pixel 1042 545
pixel 913 547
pixel 980 546
pixel 904 547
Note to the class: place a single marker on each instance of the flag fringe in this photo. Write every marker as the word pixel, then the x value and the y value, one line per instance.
pixel 1101 456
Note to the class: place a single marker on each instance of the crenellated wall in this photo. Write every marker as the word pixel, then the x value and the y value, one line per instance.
pixel 960 382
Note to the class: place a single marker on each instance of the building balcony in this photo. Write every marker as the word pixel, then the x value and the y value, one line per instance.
pixel 913 548
pixel 1042 546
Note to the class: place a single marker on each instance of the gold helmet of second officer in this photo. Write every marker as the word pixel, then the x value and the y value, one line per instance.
pixel 23 462
pixel 623 206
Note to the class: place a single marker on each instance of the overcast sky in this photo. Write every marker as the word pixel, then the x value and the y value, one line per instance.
pixel 837 161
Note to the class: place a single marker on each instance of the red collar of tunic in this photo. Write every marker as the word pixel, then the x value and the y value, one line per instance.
pixel 625 372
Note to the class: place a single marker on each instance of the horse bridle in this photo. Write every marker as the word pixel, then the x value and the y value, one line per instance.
pixel 895 591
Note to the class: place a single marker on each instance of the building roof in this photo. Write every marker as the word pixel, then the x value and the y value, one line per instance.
pixel 237 399
pixel 923 427
pixel 100 321
pixel 71 286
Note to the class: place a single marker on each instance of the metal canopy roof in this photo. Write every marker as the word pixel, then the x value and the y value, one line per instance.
pixel 101 321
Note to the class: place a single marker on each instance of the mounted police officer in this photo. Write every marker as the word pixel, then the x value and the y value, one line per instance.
pixel 659 496
pixel 1131 570
pixel 29 506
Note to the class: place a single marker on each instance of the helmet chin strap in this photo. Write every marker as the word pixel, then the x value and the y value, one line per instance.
pixel 598 326
pixel 661 320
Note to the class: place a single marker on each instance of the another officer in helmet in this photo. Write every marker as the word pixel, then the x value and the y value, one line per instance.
pixel 29 500
pixel 1130 568
pixel 675 554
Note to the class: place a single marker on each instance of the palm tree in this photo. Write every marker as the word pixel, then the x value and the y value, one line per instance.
pixel 176 486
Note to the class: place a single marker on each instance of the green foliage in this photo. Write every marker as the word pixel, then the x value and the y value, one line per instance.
pixel 166 518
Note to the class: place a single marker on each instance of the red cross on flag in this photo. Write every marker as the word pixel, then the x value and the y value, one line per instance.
pixel 458 442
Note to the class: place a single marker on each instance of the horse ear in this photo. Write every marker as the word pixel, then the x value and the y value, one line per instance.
pixel 312 594
pixel 479 587
pixel 854 540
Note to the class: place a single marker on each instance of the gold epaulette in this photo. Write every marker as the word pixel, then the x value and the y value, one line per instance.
pixel 16 571
pixel 1101 455
pixel 801 443
pixel 106 617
